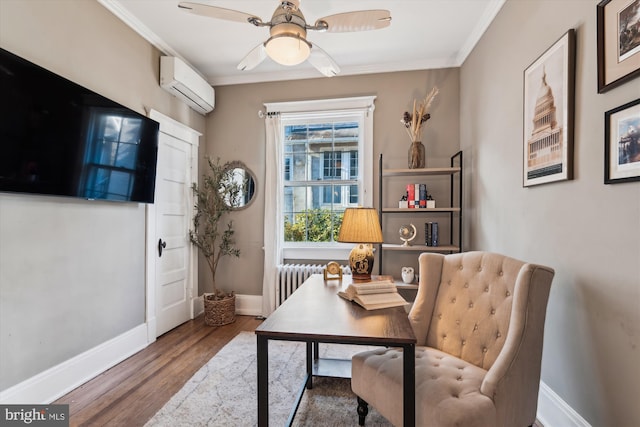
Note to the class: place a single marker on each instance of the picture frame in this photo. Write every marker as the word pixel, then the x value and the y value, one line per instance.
pixel 618 51
pixel 549 100
pixel 622 143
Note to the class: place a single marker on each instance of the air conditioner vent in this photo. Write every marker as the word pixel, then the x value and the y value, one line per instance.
pixel 179 79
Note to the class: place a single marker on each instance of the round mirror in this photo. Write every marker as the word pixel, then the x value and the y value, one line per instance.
pixel 244 178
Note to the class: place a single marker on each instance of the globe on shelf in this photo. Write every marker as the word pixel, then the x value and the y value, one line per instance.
pixel 407 233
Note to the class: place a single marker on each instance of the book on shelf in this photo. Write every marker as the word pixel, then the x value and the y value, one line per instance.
pixel 431 233
pixel 422 198
pixel 374 295
pixel 411 195
pixel 417 196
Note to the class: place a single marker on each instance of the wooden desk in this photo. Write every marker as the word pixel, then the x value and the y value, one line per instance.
pixel 316 314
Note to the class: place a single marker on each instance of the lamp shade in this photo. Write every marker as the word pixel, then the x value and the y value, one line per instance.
pixel 360 225
pixel 287 44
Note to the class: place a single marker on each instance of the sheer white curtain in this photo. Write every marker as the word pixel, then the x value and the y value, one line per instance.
pixel 272 211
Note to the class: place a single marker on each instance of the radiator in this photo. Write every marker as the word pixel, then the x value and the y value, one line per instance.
pixel 291 276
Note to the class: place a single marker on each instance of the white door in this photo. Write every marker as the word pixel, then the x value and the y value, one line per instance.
pixel 171 254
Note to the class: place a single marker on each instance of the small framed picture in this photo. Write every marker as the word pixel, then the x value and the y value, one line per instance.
pixel 618 27
pixel 549 85
pixel 622 143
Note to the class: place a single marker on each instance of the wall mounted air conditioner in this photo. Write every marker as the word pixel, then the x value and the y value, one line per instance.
pixel 179 79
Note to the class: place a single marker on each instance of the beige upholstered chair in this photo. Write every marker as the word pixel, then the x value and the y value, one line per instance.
pixel 478 319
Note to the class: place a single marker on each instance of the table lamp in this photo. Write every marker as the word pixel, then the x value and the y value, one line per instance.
pixel 361 226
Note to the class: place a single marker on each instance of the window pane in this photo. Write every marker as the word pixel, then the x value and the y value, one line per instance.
pixel 313 225
pixel 299 165
pixel 317 156
pixel 353 194
pixel 353 164
pixel 332 195
pixel 295 199
pixel 287 168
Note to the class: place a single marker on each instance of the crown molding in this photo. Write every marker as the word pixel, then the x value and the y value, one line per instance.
pixel 115 7
pixel 483 23
pixel 310 73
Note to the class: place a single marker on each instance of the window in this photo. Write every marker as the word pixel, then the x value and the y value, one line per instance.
pixel 323 171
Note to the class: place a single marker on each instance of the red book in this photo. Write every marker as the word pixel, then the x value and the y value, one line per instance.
pixel 411 195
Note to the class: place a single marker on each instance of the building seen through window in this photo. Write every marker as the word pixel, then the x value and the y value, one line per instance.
pixel 321 177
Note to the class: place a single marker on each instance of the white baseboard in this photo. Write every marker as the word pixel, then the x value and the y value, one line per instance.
pixel 555 412
pixel 249 305
pixel 246 305
pixel 151 329
pixel 55 382
pixel 198 306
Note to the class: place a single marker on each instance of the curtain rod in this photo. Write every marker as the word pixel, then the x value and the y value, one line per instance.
pixel 262 114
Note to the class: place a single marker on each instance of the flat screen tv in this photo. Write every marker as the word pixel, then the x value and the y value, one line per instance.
pixel 59 138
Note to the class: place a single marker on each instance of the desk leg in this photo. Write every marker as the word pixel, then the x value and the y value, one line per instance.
pixel 310 359
pixel 263 381
pixel 409 385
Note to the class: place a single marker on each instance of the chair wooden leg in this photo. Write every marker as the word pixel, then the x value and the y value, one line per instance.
pixel 363 410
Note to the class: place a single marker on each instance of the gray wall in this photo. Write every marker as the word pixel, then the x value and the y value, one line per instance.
pixel 72 272
pixel 235 132
pixel 55 277
pixel 589 232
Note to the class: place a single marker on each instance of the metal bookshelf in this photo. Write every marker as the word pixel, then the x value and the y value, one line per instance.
pixel 454 211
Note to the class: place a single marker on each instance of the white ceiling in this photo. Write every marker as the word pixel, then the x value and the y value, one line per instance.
pixel 423 34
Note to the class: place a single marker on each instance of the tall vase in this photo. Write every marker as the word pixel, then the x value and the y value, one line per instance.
pixel 416 155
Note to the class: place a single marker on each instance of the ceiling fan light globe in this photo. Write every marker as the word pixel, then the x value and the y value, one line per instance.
pixel 288 49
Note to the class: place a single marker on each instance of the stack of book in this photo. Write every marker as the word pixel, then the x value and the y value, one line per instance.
pixel 417 197
pixel 374 295
pixel 431 233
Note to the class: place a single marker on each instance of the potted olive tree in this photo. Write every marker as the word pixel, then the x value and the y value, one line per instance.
pixel 214 198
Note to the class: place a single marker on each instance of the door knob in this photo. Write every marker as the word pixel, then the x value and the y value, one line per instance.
pixel 161 246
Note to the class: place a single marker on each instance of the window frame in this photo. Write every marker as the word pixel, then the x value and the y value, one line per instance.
pixel 362 107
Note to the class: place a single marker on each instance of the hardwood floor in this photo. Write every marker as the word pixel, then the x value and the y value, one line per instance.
pixel 130 393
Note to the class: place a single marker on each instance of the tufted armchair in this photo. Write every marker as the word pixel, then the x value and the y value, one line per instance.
pixel 478 319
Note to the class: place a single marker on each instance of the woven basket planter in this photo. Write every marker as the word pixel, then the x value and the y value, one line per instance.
pixel 219 312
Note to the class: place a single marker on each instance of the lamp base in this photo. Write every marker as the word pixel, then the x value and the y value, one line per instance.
pixel 361 261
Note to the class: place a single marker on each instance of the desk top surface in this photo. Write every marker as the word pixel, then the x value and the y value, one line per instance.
pixel 316 312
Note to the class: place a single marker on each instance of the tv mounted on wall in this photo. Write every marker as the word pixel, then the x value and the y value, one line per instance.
pixel 59 138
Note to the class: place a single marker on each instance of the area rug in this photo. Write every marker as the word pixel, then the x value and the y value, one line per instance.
pixel 224 391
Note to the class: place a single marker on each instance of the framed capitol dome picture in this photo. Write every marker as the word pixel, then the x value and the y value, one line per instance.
pixel 549 94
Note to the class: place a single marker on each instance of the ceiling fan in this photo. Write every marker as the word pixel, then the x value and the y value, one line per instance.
pixel 287 44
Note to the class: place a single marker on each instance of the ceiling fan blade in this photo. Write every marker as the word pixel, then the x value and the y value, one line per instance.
pixel 323 62
pixel 215 12
pixel 362 20
pixel 253 58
